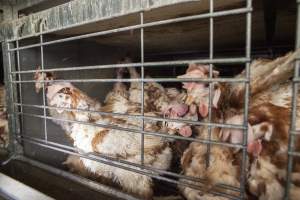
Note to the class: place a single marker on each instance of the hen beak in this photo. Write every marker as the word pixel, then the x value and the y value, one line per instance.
pixel 184 76
pixel 189 100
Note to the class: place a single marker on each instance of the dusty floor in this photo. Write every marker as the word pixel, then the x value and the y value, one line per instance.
pixel 54 186
pixel 58 187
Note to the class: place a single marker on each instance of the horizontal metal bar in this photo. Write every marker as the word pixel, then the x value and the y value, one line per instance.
pixel 159 80
pixel 166 135
pixel 78 179
pixel 24 47
pixel 162 172
pixel 8 159
pixel 137 168
pixel 139 26
pixel 90 155
pixel 22 38
pixel 293 153
pixel 296 79
pixel 145 64
pixel 199 123
pixel 295 132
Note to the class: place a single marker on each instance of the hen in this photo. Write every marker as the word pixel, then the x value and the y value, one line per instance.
pixel 268 168
pixel 124 145
pixel 269 119
pixel 229 100
pixel 221 169
pixel 66 96
pixel 271 93
pixel 166 102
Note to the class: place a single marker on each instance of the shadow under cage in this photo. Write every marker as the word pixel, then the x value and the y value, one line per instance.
pixel 172 105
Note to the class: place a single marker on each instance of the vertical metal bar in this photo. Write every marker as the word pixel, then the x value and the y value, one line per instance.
pixel 246 106
pixel 10 99
pixel 298 26
pixel 294 111
pixel 5 54
pixel 292 128
pixel 211 54
pixel 20 86
pixel 142 96
pixel 44 90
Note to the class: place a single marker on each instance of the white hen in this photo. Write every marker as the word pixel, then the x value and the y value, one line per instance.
pixel 125 145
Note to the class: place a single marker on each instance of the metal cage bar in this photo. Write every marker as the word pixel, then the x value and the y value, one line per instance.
pixel 6 62
pixel 159 80
pixel 11 91
pixel 145 64
pixel 293 119
pixel 211 54
pixel 20 85
pixel 78 179
pixel 204 141
pixel 44 88
pixel 246 103
pixel 143 87
pixel 145 170
pixel 120 161
pixel 145 25
pixel 136 116
pixel 291 150
pixel 137 167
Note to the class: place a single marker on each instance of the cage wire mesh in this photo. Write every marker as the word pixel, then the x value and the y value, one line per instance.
pixel 294 132
pixel 17 76
pixel 293 154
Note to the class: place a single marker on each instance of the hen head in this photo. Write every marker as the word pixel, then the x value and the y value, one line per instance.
pixel 39 77
pixel 256 134
pixel 178 111
pixel 197 92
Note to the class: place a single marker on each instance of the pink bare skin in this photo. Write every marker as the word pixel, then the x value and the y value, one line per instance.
pixel 201 69
pixel 256 133
pixel 255 147
pixel 185 131
pixel 175 111
pixel 198 93
pixel 192 115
